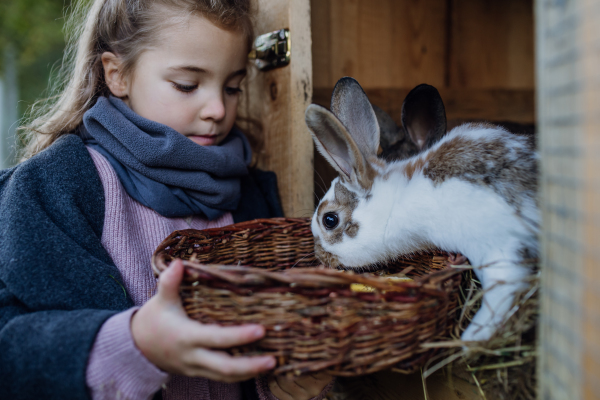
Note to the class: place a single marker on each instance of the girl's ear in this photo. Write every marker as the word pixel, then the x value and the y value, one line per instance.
pixel 116 82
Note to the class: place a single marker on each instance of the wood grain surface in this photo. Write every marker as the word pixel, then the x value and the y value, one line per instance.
pixel 483 44
pixel 273 104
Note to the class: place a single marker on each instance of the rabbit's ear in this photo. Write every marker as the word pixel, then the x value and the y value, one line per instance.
pixel 337 146
pixel 424 116
pixel 389 132
pixel 351 106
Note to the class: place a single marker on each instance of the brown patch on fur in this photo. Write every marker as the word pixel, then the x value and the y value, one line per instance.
pixel 377 161
pixel 414 166
pixel 352 229
pixel 324 256
pixel 345 198
pixel 335 236
pixel 506 164
pixel 323 205
pixel 366 175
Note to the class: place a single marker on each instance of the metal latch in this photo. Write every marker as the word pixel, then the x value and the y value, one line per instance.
pixel 271 50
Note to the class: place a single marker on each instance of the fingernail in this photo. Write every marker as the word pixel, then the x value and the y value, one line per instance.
pixel 258 332
pixel 270 363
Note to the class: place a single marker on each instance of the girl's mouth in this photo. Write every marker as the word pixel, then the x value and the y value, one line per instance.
pixel 204 140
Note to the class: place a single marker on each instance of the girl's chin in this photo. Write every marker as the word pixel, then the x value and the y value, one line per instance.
pixel 204 140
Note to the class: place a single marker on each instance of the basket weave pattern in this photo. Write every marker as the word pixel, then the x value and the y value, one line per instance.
pixel 264 271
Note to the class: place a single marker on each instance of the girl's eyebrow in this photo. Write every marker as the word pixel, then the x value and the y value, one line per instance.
pixel 188 68
pixel 191 68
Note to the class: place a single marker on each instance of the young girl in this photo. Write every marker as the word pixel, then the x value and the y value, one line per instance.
pixel 140 142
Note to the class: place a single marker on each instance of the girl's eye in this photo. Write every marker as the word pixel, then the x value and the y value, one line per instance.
pixel 233 90
pixel 330 220
pixel 184 88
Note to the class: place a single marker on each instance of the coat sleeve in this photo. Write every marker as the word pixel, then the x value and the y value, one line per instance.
pixel 57 283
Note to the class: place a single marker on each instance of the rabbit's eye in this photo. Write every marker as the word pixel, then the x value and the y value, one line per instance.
pixel 330 220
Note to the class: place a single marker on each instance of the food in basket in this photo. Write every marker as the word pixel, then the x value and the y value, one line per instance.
pixel 265 272
pixel 472 192
pixel 359 287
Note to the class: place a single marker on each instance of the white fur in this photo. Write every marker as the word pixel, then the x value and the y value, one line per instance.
pixel 403 216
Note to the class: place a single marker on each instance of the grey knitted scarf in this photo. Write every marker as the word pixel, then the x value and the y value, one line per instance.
pixel 163 169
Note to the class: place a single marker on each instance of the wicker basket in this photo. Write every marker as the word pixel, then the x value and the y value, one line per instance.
pixel 264 271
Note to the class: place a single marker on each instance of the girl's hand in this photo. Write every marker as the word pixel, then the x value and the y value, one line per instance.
pixel 299 388
pixel 173 342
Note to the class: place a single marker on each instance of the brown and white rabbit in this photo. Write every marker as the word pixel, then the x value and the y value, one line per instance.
pixel 473 192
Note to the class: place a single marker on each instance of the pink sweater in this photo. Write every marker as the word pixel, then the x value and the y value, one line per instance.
pixel 116 368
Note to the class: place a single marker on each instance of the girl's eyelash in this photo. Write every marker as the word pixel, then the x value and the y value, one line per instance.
pixel 184 88
pixel 233 90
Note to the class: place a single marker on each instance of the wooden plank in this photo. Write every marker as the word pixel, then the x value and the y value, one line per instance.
pixel 375 43
pixel 515 105
pixel 273 105
pixel 382 43
pixel 344 52
pixel 419 47
pixel 569 105
pixel 401 43
pixel 320 11
pixel 590 40
pixel 492 44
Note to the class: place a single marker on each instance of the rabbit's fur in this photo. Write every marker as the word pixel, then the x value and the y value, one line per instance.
pixel 471 192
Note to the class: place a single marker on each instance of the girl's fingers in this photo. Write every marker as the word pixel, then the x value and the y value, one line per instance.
pixel 225 367
pixel 169 281
pixel 223 337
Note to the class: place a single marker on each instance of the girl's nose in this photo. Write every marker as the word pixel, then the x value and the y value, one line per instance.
pixel 213 109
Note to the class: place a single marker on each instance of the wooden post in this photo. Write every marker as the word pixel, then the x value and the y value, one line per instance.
pixel 273 107
pixel 568 74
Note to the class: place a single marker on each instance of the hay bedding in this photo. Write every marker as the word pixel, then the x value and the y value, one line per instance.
pixel 504 367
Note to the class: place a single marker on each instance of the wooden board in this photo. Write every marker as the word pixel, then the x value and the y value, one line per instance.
pixel 483 44
pixel 569 105
pixel 381 43
pixel 492 44
pixel 273 104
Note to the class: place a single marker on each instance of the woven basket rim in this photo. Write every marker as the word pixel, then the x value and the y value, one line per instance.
pixel 305 277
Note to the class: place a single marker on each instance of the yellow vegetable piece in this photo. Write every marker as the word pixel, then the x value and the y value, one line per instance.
pixel 399 279
pixel 359 287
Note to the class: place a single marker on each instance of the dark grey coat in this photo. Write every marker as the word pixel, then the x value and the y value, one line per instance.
pixel 57 283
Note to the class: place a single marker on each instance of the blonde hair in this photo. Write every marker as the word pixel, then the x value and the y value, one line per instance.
pixel 125 28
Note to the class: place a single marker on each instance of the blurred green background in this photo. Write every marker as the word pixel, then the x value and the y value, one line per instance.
pixel 31 46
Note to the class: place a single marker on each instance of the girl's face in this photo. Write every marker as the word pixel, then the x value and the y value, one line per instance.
pixel 190 81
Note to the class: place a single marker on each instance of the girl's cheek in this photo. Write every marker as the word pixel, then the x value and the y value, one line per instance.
pixel 233 107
